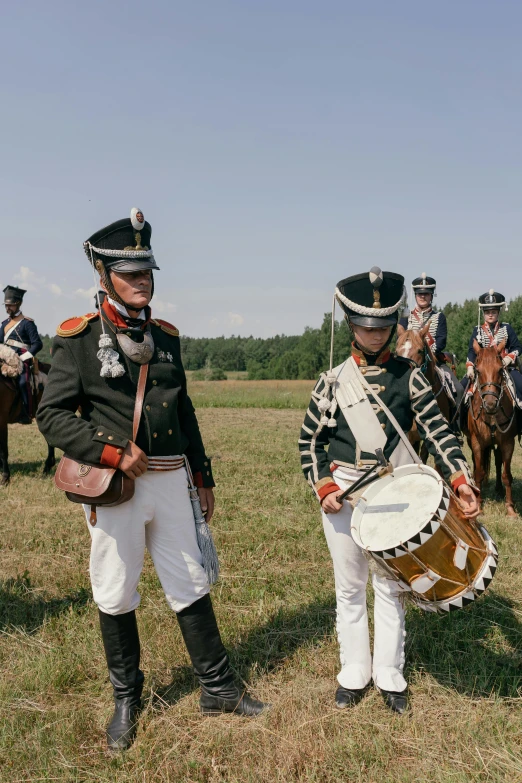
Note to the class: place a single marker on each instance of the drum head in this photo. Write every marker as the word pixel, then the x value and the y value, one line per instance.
pixel 397 507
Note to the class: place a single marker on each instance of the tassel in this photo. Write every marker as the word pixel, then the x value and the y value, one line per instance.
pixel 111 366
pixel 324 405
pixel 333 407
pixel 205 541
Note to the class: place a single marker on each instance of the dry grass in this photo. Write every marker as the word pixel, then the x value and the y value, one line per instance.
pixel 276 609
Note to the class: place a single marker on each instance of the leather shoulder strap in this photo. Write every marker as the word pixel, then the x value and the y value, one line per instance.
pixel 140 395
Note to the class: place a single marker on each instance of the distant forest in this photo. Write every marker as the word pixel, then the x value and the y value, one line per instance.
pixel 306 355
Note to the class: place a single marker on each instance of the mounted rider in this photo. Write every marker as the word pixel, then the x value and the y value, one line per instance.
pixel 495 332
pixel 21 334
pixel 423 288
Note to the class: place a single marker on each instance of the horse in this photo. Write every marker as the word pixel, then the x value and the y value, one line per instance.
pixel 492 421
pixel 411 345
pixel 11 407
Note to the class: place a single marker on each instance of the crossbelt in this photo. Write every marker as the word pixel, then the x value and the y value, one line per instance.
pixel 166 463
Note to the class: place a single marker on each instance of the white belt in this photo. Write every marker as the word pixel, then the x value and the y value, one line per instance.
pixel 166 463
pixel 17 344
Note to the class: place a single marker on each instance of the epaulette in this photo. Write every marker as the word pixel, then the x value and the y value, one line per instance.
pixel 166 327
pixel 26 318
pixel 72 326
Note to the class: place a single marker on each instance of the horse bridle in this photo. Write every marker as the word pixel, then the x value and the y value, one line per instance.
pixel 498 399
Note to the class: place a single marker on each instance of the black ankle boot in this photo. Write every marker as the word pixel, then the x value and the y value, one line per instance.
pixel 219 690
pixel 122 650
pixel 397 701
pixel 348 697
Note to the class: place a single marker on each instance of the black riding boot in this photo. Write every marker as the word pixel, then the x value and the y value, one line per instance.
pixel 122 650
pixel 219 691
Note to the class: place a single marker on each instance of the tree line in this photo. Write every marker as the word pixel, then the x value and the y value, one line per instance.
pixel 306 355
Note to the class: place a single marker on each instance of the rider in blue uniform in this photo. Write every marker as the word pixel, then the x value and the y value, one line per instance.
pixel 424 290
pixel 494 332
pixel 20 334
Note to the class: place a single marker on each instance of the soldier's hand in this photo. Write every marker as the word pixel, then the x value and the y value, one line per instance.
pixel 330 503
pixel 206 498
pixel 134 461
pixel 468 501
pixel 470 372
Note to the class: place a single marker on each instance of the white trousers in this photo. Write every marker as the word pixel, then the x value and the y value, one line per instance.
pixel 351 575
pixel 158 517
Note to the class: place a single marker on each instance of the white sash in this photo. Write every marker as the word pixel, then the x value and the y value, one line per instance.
pixel 350 392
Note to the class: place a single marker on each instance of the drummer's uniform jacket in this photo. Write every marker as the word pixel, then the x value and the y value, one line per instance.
pixel 407 393
pixel 20 334
pixel 438 332
pixel 103 428
pixel 486 336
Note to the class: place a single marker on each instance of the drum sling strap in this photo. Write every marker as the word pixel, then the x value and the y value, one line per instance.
pixel 351 391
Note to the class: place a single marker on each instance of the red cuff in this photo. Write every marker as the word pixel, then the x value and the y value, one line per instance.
pixel 111 456
pixel 462 480
pixel 327 490
pixel 198 479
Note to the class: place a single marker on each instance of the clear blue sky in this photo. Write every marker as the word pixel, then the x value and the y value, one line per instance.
pixel 275 147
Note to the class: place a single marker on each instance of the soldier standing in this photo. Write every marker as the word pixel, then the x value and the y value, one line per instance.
pixel 159 516
pixel 20 333
pixel 332 459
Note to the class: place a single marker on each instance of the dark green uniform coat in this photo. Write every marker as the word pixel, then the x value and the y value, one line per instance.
pixel 407 393
pixel 168 423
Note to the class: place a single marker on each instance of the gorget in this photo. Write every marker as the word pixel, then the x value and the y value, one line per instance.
pixel 140 353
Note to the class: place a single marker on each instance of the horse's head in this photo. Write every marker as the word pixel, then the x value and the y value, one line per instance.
pixel 411 345
pixel 488 366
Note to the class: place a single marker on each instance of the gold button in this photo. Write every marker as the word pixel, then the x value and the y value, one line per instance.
pixel 154 434
pixel 363 370
pixel 119 451
pixel 205 464
pixel 128 334
pixel 383 388
pixel 383 369
pixel 147 407
pixel 170 432
pixel 165 405
pixel 154 383
pixel 100 433
pixel 208 472
pixel 383 425
pixel 111 437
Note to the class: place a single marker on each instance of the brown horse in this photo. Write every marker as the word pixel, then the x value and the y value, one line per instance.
pixel 412 345
pixel 492 421
pixel 10 410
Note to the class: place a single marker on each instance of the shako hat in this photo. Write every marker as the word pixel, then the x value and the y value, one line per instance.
pixel 492 299
pixel 123 246
pixel 372 298
pixel 424 284
pixel 13 294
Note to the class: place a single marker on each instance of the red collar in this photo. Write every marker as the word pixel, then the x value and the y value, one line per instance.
pixel 488 328
pixel 361 361
pixel 118 320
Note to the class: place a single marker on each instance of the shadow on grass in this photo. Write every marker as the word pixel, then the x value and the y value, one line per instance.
pixel 34 469
pixel 477 651
pixel 21 607
pixel 264 648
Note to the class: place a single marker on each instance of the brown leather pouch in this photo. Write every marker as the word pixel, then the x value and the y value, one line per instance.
pixel 98 485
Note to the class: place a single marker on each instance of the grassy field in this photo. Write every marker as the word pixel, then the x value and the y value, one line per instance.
pixel 251 394
pixel 275 604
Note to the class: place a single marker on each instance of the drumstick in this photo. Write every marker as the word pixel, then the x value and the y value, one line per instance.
pixel 365 478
